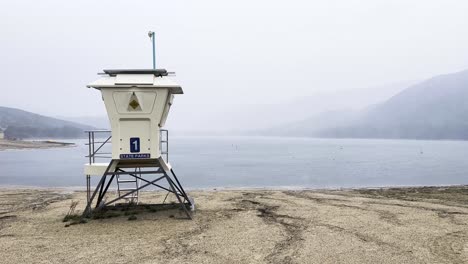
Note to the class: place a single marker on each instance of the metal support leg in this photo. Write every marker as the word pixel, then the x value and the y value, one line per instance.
pixel 88 206
pixel 178 190
pixel 178 197
pixel 88 188
pixel 87 211
pixel 100 190
pixel 103 193
pixel 181 188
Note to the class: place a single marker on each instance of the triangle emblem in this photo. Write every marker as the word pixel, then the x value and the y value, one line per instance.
pixel 134 103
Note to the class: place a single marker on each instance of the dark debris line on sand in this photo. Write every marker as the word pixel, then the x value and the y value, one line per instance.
pixel 293 227
pixel 453 195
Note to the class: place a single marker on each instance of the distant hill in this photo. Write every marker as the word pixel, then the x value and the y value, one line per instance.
pixel 22 124
pixel 434 109
pixel 100 122
pixel 236 118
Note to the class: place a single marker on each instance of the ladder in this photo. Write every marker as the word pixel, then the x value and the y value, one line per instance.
pixel 164 144
pixel 128 184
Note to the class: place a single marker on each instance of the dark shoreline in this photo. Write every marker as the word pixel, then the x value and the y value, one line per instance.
pixel 6 144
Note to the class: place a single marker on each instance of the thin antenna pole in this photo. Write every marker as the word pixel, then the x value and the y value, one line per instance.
pixel 151 35
pixel 154 53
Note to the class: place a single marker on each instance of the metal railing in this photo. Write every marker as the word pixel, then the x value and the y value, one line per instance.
pixel 97 139
pixel 95 145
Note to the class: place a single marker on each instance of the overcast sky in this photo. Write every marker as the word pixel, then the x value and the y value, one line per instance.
pixel 225 53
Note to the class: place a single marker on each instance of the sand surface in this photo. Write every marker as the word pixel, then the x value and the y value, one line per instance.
pixel 21 144
pixel 414 225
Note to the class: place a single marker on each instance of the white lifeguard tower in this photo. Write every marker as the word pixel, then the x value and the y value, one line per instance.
pixel 137 104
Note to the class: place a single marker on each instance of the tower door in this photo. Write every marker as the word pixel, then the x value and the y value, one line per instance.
pixel 135 138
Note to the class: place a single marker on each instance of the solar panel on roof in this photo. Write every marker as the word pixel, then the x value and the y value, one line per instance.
pixel 156 72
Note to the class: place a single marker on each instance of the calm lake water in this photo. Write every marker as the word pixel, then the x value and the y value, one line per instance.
pixel 209 162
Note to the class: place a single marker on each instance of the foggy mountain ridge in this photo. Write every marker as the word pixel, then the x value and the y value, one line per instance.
pixel 241 119
pixel 303 128
pixel 433 109
pixel 99 122
pixel 237 118
pixel 22 124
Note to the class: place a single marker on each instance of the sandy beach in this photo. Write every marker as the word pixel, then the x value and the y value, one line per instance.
pixel 401 225
pixel 22 144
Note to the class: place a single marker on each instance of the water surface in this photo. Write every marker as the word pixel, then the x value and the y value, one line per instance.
pixel 209 162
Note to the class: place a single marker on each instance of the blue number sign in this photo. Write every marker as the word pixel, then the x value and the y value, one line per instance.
pixel 134 145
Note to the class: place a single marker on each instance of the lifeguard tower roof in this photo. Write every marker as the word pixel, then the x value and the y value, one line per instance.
pixel 141 78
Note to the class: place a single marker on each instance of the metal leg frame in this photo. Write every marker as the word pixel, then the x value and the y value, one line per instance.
pixel 87 211
pixel 88 188
pixel 175 188
pixel 182 204
pixel 172 190
pixel 139 178
pixel 180 186
pixel 127 194
pixel 102 193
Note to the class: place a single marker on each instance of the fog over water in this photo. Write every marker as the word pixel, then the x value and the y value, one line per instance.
pixel 241 63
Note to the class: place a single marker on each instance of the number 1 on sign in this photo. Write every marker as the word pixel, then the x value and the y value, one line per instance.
pixel 134 145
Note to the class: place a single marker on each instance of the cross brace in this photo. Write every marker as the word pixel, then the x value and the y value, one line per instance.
pixel 113 169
